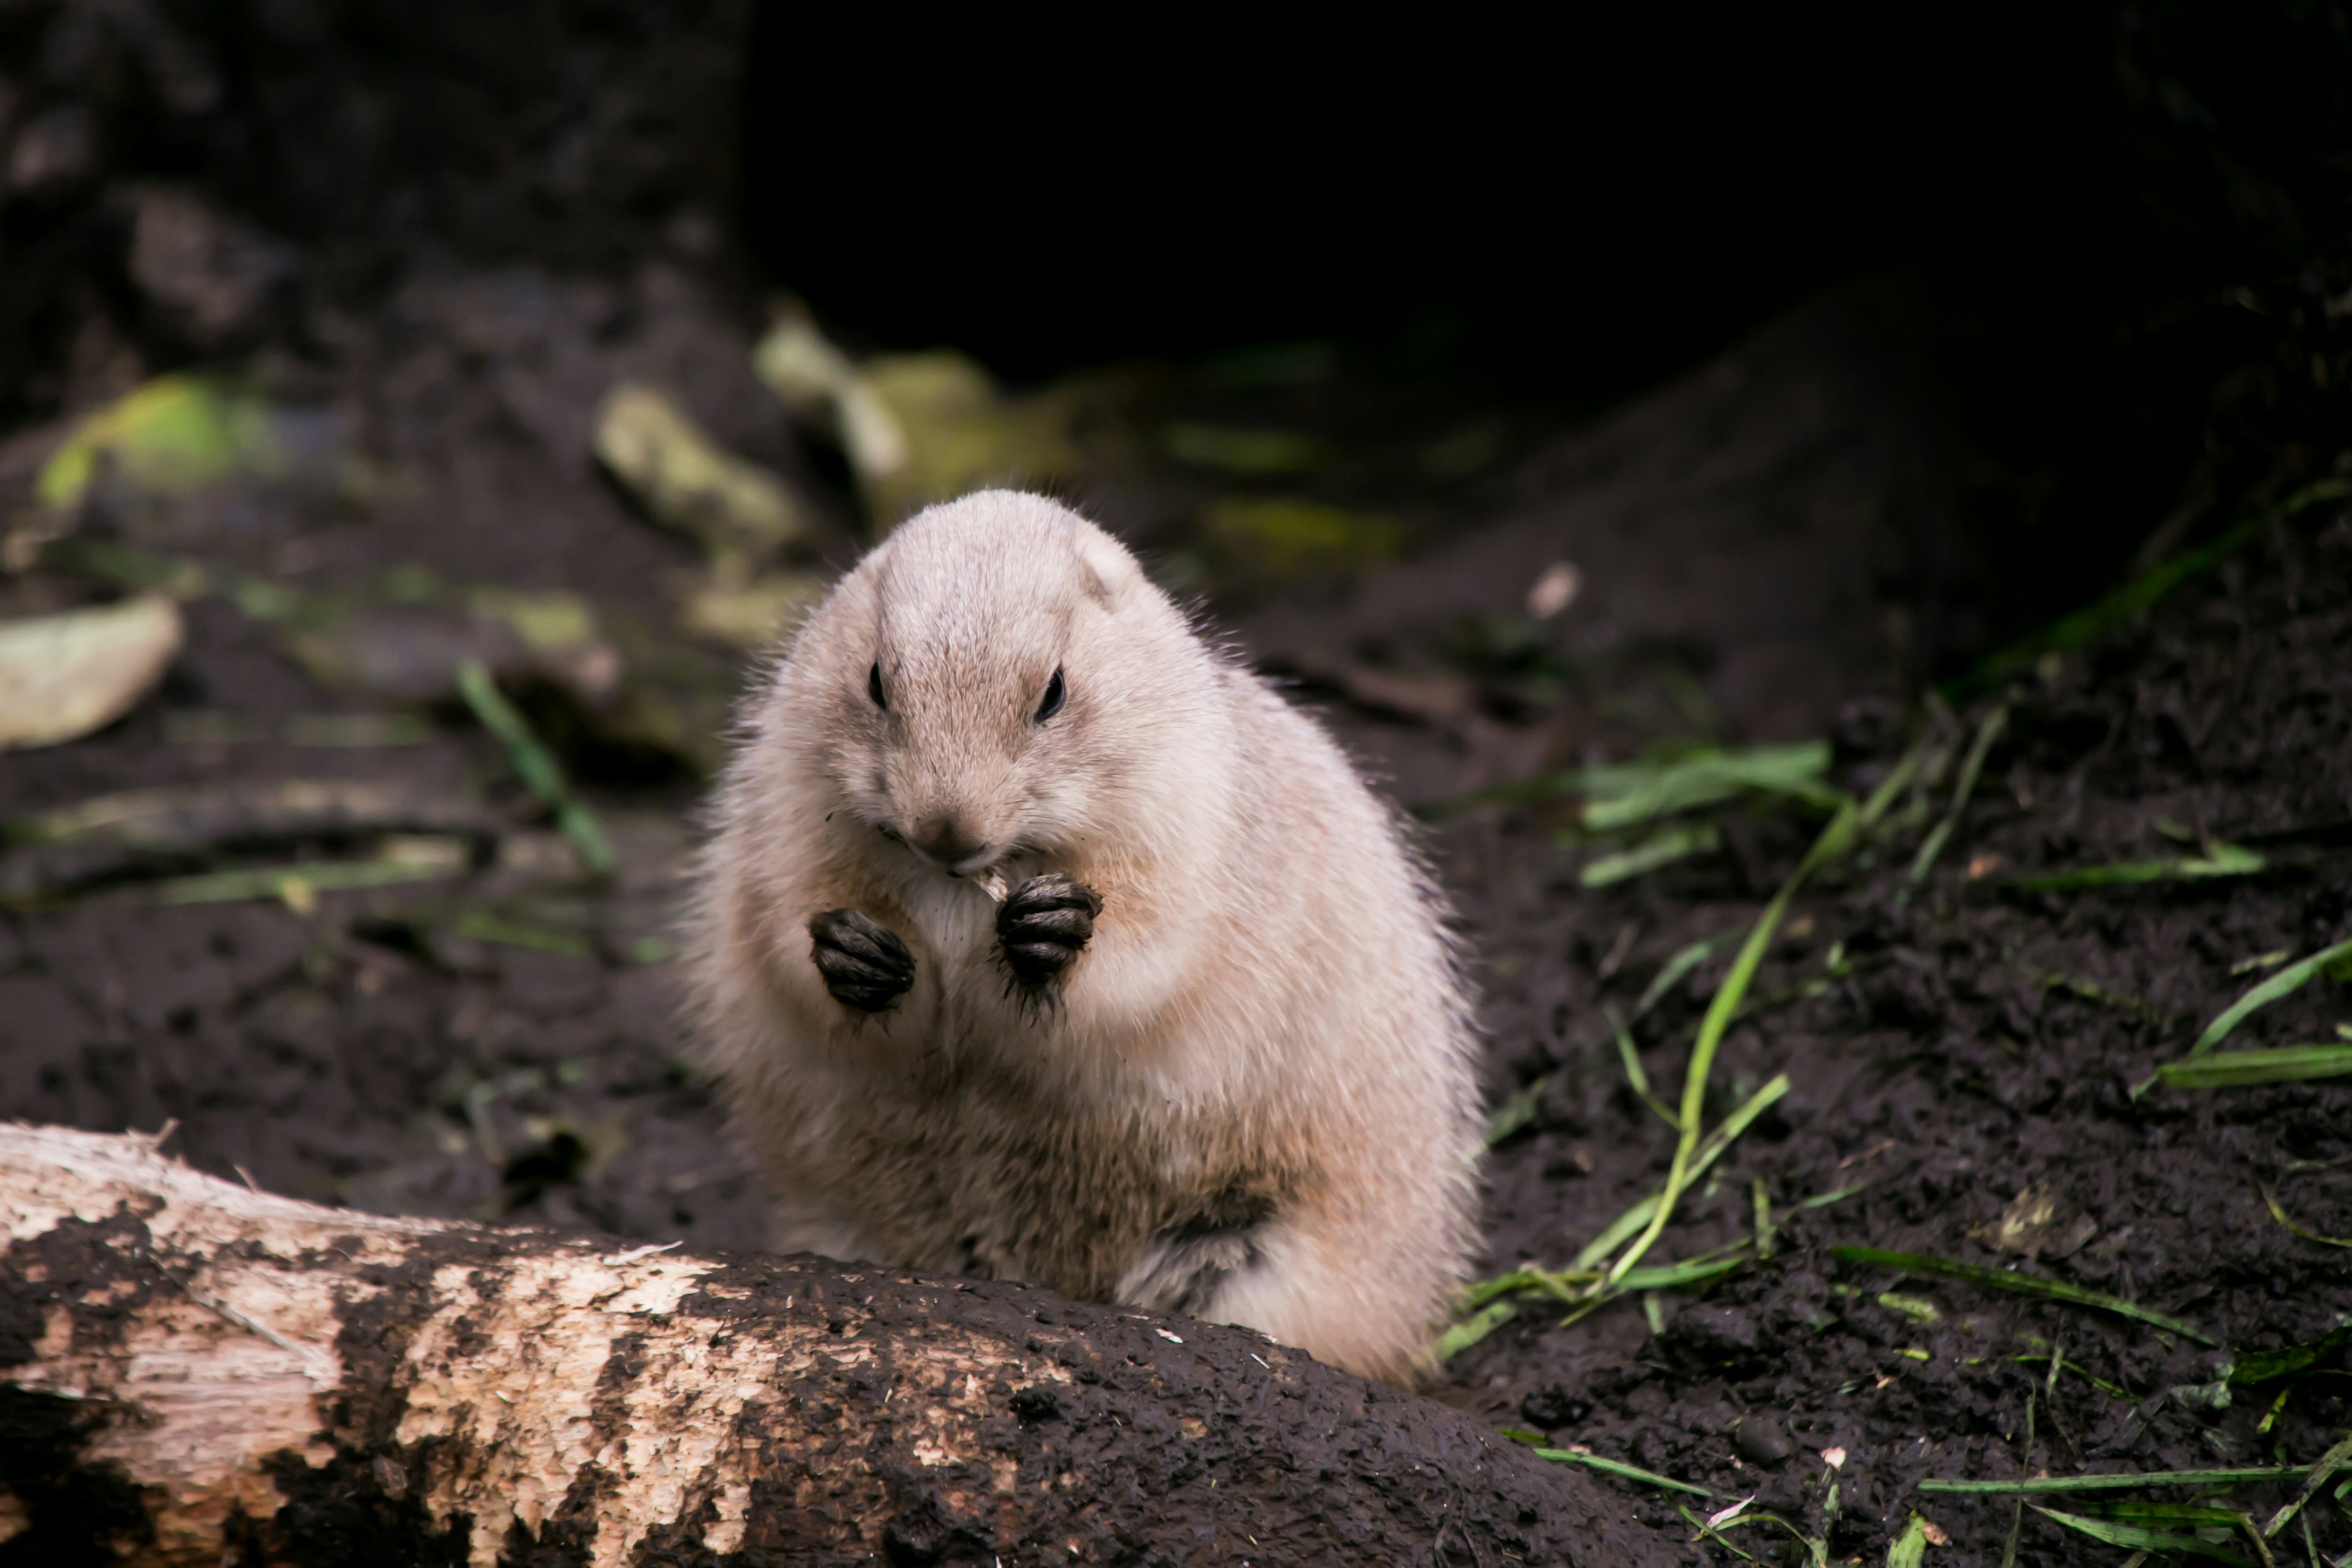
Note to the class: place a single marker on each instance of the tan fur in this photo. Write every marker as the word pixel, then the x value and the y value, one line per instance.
pixel 1258 1076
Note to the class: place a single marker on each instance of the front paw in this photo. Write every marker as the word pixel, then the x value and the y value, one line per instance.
pixel 1045 924
pixel 864 965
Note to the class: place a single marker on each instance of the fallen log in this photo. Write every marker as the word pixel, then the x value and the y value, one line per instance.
pixel 194 1372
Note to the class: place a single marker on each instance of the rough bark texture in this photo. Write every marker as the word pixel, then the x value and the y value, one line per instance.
pixel 191 1373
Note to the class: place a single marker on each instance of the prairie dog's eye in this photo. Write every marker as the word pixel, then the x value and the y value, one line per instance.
pixel 874 685
pixel 1055 695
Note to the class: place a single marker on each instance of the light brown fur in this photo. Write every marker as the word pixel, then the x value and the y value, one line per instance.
pixel 1250 1097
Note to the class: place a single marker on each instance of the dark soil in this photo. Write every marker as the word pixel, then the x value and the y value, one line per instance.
pixel 1789 542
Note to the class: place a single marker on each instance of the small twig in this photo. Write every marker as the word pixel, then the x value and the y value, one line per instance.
pixel 320 1366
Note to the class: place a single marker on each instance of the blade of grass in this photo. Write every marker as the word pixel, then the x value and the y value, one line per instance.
pixel 1624 1472
pixel 1635 1218
pixel 1704 778
pixel 2286 982
pixel 2279 1215
pixel 1988 731
pixel 2074 630
pixel 2115 1534
pixel 536 763
pixel 1629 1056
pixel 1473 1329
pixel 2118 1480
pixel 1670 1275
pixel 1661 849
pixel 1834 840
pixel 1709 1532
pixel 1896 781
pixel 2219 860
pixel 2330 1463
pixel 2276 1064
pixel 1909 1549
pixel 2021 1284
pixel 1672 970
pixel 1823 1200
pixel 1519 1111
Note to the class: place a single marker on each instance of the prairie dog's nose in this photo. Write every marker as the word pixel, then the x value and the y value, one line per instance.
pixel 946 839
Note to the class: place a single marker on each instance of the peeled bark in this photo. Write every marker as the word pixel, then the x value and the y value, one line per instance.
pixel 192 1373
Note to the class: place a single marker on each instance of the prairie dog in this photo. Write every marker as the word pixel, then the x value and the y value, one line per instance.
pixel 1038 940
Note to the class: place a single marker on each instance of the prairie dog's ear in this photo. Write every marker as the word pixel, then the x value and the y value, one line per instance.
pixel 1109 570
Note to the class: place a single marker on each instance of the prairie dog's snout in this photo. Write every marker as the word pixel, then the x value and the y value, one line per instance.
pixel 1097 1082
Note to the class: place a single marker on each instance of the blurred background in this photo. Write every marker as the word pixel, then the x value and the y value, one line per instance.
pixel 414 419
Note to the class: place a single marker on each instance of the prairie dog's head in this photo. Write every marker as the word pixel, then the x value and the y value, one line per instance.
pixel 997 679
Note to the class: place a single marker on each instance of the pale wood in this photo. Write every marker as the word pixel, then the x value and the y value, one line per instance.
pixel 194 1373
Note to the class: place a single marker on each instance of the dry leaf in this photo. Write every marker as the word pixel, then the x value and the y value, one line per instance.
pixel 64 676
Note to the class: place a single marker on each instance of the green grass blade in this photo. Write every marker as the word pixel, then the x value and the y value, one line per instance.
pixel 2219 860
pixel 1473 1329
pixel 1519 1111
pixel 2286 982
pixel 1823 1200
pixel 2021 1284
pixel 1671 1275
pixel 1707 778
pixel 2119 1480
pixel 2279 1214
pixel 2330 1463
pixel 1988 731
pixel 2262 1366
pixel 1661 849
pixel 1708 1532
pixel 1671 971
pixel 1834 840
pixel 2278 1063
pixel 2074 630
pixel 2133 1510
pixel 1896 781
pixel 536 763
pixel 2145 1540
pixel 1625 1471
pixel 1909 1549
pixel 1710 1150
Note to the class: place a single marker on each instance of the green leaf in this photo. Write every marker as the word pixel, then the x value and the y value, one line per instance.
pixel 1626 795
pixel 2330 1463
pixel 1614 1467
pixel 1519 1111
pixel 1988 731
pixel 1473 1329
pixel 1661 849
pixel 2137 1537
pixel 1909 1549
pixel 2084 624
pixel 2021 1284
pixel 2116 1481
pixel 2219 860
pixel 1635 1218
pixel 1672 970
pixel 2279 1064
pixel 2286 982
pixel 1834 841
pixel 2262 1366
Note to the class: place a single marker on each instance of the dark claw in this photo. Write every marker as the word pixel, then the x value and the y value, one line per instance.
pixel 864 965
pixel 1045 924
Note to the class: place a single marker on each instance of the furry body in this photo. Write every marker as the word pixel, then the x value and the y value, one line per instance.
pixel 1249 1097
